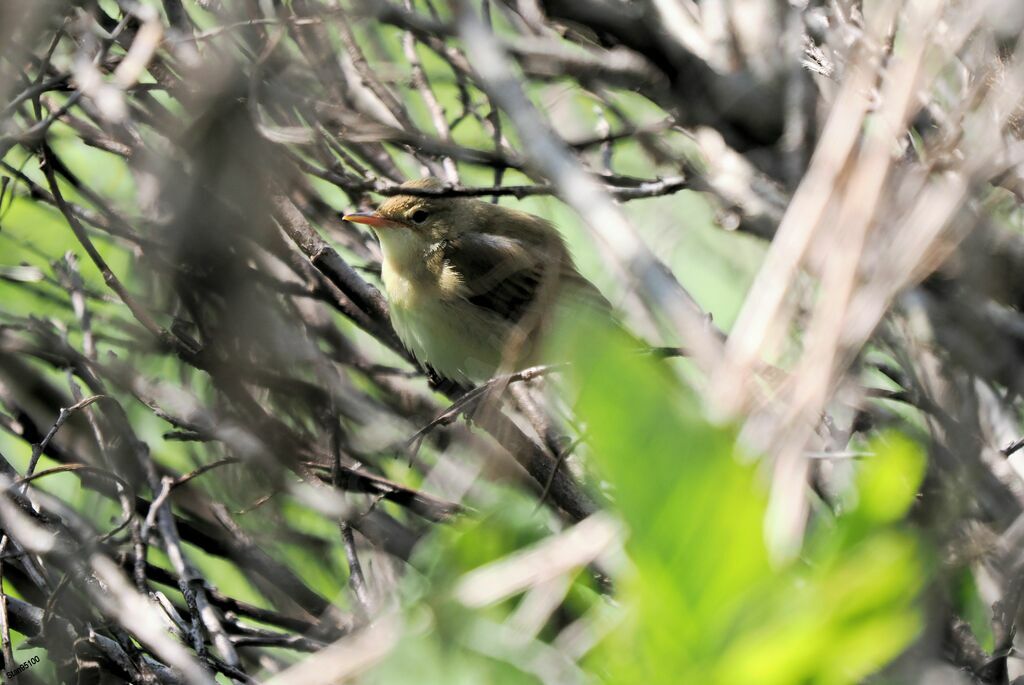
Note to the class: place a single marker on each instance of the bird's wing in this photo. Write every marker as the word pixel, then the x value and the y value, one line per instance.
pixel 508 276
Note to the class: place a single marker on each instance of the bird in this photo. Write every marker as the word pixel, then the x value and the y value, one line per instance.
pixel 474 288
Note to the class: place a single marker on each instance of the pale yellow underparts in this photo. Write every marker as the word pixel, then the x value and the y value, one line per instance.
pixel 456 338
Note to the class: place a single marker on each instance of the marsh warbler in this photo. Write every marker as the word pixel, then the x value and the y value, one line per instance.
pixel 474 287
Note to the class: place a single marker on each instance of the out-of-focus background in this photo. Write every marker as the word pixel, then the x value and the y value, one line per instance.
pixel 218 463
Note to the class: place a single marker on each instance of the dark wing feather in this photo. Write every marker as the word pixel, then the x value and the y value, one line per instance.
pixel 507 277
pixel 497 273
pixel 510 299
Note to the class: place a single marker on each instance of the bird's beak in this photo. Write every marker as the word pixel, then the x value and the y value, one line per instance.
pixel 369 218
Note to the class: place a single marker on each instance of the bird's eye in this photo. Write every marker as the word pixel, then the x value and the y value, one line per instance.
pixel 419 216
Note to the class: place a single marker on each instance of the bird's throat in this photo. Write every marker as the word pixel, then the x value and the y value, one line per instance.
pixel 403 270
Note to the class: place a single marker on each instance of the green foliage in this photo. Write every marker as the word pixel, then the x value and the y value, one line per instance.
pixel 700 602
pixel 446 642
pixel 704 604
pixel 970 605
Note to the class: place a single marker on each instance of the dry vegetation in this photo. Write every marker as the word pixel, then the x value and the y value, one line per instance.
pixel 195 353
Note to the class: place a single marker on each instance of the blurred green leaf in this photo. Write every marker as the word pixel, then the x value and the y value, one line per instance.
pixel 703 603
pixel 888 482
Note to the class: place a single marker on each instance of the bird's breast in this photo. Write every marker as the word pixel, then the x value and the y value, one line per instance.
pixel 446 332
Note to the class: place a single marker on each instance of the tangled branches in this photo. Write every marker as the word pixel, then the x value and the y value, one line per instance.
pixel 206 467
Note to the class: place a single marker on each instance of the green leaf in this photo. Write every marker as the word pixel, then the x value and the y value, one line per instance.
pixel 889 481
pixel 702 603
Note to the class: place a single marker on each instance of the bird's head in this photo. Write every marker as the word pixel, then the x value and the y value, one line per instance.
pixel 429 218
pixel 407 225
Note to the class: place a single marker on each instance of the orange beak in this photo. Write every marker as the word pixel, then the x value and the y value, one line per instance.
pixel 369 218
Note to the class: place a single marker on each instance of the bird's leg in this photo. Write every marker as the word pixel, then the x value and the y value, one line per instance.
pixel 443 384
pixel 434 379
pixel 467 402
